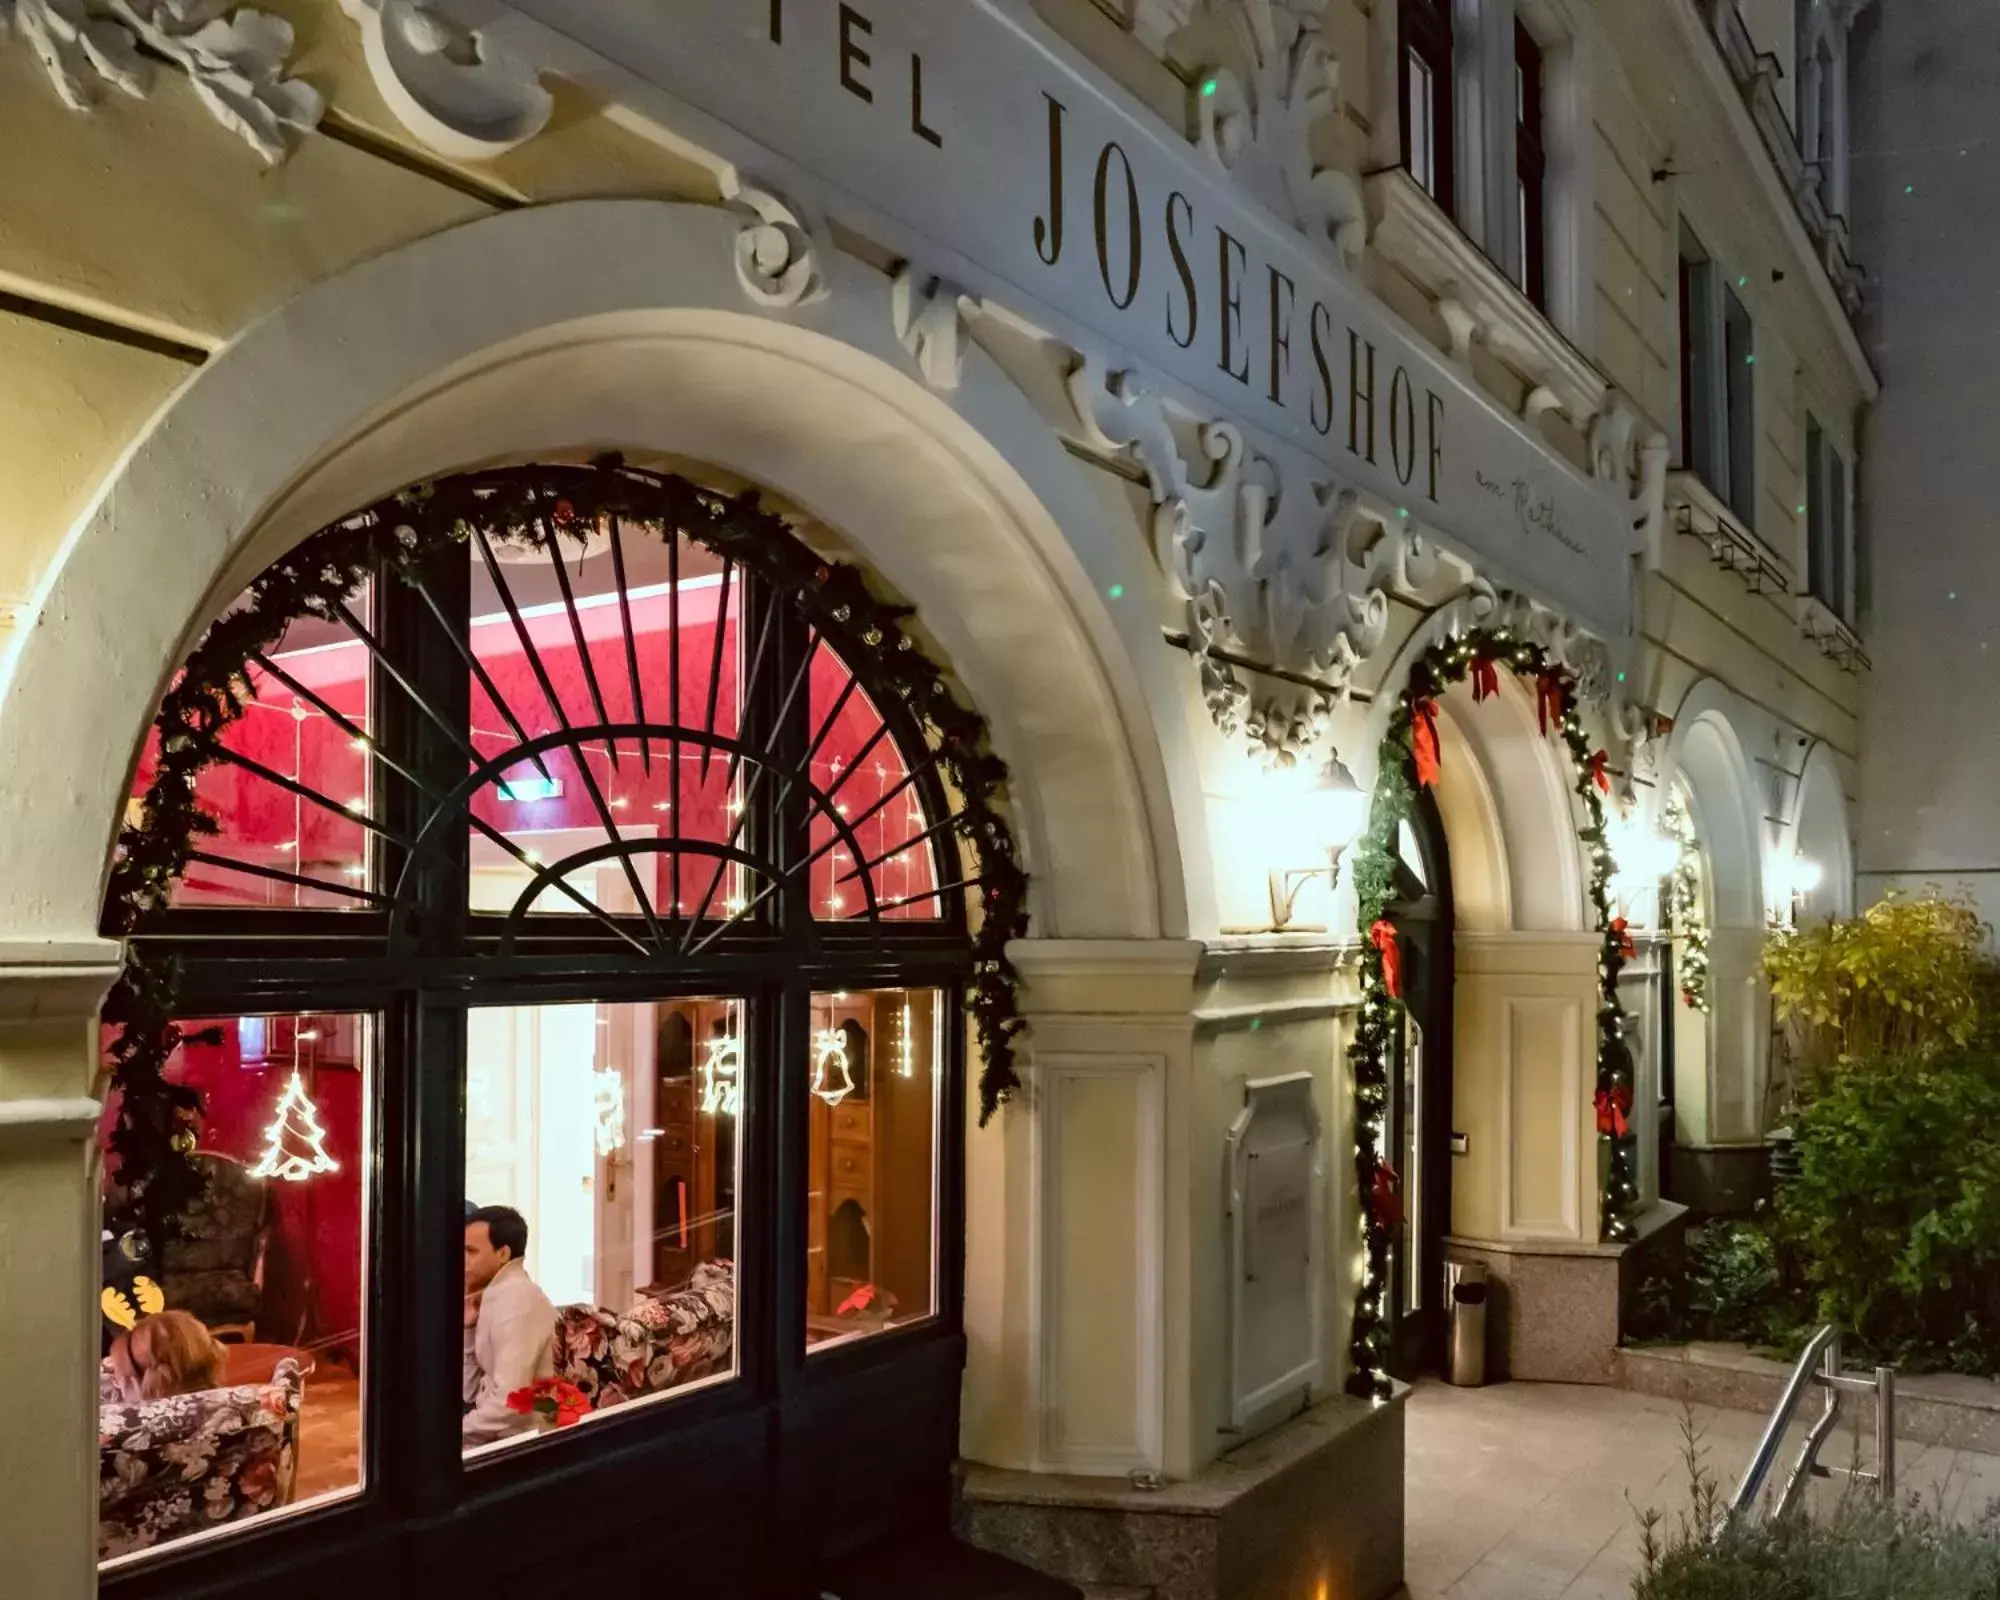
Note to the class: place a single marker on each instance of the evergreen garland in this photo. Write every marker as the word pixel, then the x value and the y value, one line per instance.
pixel 1476 653
pixel 152 1141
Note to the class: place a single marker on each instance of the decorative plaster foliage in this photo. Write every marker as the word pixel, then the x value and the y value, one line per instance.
pixel 235 59
pixel 452 86
pixel 1156 21
pixel 1259 127
pixel 1272 567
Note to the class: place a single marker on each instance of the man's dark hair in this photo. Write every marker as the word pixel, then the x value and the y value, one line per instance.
pixel 505 1226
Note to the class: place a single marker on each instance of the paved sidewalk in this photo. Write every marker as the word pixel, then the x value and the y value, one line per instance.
pixel 1530 1491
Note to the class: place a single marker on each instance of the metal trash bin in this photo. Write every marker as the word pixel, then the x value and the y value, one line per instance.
pixel 1465 1295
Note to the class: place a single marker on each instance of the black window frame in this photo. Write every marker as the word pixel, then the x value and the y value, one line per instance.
pixel 1427 32
pixel 1718 412
pixel 1830 576
pixel 754 1510
pixel 1531 163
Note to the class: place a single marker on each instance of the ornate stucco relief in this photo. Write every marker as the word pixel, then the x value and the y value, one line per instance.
pixel 1269 563
pixel 235 59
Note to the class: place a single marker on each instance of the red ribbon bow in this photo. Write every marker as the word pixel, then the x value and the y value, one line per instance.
pixel 1485 681
pixel 1385 1197
pixel 1383 937
pixel 1614 1109
pixel 1424 740
pixel 1626 948
pixel 1551 700
pixel 1598 775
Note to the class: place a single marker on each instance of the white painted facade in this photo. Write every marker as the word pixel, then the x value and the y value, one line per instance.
pixel 790 284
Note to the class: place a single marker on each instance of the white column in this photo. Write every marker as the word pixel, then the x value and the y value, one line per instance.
pixel 1076 1220
pixel 50 1263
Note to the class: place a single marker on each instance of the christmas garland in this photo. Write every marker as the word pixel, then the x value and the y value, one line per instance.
pixel 1409 756
pixel 1686 919
pixel 153 1140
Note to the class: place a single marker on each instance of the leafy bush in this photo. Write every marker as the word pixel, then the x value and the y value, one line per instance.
pixel 1895 1214
pixel 1736 1289
pixel 1904 977
pixel 1862 1549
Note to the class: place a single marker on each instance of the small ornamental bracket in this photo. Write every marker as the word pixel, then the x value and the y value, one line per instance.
pixel 929 315
pixel 458 90
pixel 781 251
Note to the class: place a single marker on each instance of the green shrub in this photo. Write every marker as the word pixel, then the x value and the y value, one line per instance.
pixel 1895 1214
pixel 1736 1290
pixel 1904 977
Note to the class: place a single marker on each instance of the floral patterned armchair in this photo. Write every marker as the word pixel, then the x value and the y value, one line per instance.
pixel 171 1467
pixel 663 1341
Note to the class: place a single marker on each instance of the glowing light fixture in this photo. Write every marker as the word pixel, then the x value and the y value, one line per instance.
pixel 829 1060
pixel 1332 811
pixel 525 790
pixel 722 1078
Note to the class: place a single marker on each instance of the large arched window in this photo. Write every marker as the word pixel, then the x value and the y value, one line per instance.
pixel 558 878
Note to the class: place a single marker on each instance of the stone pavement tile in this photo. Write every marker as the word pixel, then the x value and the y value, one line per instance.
pixel 1488 1582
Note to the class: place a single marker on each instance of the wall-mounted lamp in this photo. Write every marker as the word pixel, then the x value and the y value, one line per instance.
pixel 1334 811
pixel 1805 876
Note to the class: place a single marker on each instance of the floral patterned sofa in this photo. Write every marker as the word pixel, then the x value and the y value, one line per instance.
pixel 189 1462
pixel 663 1341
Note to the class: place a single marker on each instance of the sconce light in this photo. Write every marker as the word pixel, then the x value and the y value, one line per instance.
pixel 1335 811
pixel 1805 876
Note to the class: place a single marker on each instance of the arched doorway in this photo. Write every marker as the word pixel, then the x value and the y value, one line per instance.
pixel 576 859
pixel 1419 1135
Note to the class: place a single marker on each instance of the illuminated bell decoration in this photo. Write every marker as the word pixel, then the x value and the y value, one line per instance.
pixel 295 1143
pixel 607 1089
pixel 722 1079
pixel 829 1057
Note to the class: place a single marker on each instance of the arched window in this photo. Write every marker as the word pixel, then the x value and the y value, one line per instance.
pixel 559 881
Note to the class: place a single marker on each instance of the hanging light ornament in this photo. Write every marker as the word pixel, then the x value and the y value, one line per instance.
pixel 722 1078
pixel 295 1143
pixel 608 1098
pixel 906 1049
pixel 829 1057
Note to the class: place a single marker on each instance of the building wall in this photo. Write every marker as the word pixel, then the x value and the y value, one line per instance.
pixel 1924 168
pixel 150 263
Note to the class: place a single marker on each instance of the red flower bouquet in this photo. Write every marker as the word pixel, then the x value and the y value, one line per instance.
pixel 552 1402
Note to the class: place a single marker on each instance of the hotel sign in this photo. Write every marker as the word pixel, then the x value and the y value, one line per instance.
pixel 980 144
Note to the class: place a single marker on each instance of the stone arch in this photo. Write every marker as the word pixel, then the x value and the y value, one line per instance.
pixel 1820 833
pixel 607 325
pixel 1504 795
pixel 1706 751
pixel 1722 1057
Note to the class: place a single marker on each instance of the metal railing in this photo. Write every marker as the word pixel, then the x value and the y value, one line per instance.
pixel 1819 1366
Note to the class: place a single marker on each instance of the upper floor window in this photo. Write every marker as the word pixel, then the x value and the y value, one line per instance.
pixel 1530 167
pixel 1821 108
pixel 1429 98
pixel 1718 373
pixel 1829 524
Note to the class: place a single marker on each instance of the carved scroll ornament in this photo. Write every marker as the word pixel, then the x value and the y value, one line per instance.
pixel 1270 566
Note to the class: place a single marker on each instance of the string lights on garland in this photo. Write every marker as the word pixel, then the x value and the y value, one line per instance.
pixel 1411 754
pixel 534 507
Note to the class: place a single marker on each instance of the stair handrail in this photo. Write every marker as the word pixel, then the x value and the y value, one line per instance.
pixel 1819 1366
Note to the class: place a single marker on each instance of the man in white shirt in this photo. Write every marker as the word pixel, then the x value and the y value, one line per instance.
pixel 509 1324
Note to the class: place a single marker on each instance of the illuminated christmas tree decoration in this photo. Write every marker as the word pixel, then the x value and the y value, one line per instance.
pixel 830 1057
pixel 295 1143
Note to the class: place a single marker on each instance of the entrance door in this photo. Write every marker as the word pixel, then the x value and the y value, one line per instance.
pixel 1419 1134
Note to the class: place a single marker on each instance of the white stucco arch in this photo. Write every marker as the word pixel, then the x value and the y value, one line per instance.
pixel 1504 796
pixel 1820 833
pixel 1706 751
pixel 1723 1055
pixel 601 325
